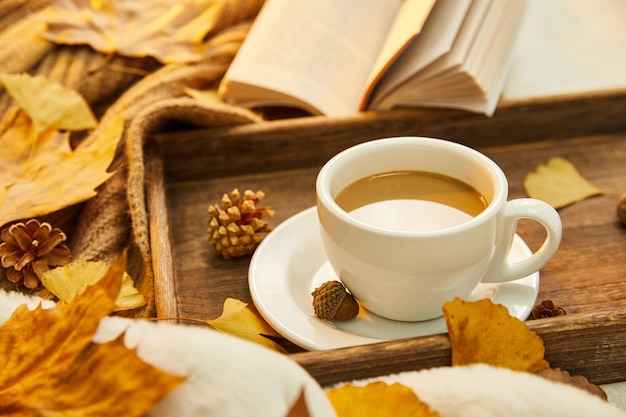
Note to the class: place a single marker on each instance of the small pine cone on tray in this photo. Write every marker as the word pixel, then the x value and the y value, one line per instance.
pixel 546 309
pixel 30 249
pixel 237 225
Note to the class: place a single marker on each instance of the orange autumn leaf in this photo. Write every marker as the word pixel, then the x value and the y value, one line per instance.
pixel 484 332
pixel 378 399
pixel 170 31
pixel 51 367
pixel 39 173
pixel 299 408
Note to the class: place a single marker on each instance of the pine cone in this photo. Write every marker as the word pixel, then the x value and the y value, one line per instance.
pixel 547 309
pixel 28 250
pixel 237 227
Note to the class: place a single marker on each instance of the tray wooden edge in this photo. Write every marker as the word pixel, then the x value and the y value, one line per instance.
pixel 599 345
pixel 315 139
pixel 599 336
pixel 160 238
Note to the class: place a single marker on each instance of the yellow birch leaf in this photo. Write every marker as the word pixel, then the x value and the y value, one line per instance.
pixel 52 176
pixel 72 279
pixel 378 399
pixel 49 104
pixel 170 31
pixel 558 183
pixel 239 320
pixel 50 366
pixel 484 332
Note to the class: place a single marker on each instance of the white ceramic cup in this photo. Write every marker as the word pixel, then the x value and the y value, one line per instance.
pixel 408 275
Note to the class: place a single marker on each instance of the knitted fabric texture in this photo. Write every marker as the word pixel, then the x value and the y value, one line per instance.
pixel 148 94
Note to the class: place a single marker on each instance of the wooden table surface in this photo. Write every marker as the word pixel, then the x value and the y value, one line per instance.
pixel 188 172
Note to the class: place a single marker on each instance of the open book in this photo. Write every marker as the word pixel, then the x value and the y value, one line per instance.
pixel 337 57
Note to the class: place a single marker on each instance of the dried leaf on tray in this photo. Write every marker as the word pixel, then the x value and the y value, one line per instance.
pixel 170 31
pixel 484 332
pixel 239 320
pixel 69 281
pixel 558 183
pixel 378 399
pixel 51 366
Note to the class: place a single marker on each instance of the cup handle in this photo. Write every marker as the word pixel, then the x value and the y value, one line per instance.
pixel 501 269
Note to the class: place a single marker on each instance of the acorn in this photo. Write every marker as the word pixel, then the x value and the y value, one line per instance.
pixel 331 301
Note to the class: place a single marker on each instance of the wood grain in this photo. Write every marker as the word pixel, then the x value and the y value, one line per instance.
pixel 164 285
pixel 586 276
pixel 310 141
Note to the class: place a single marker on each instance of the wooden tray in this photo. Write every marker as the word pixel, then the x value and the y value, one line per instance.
pixel 187 171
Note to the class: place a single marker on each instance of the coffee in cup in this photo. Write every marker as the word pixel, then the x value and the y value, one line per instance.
pixel 405 200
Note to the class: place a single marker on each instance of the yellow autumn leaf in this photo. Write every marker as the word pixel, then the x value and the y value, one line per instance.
pixel 51 367
pixel 209 97
pixel 170 31
pixel 300 407
pixel 378 399
pixel 49 104
pixel 51 176
pixel 558 183
pixel 72 279
pixel 239 320
pixel 484 332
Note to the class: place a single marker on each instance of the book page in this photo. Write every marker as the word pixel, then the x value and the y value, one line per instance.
pixel 477 82
pixel 320 52
pixel 463 43
pixel 435 40
pixel 406 27
pixel 437 77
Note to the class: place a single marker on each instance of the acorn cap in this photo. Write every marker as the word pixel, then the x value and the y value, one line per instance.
pixel 331 301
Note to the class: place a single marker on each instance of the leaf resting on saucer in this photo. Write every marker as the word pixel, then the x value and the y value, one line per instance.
pixel 558 183
pixel 378 399
pixel 239 320
pixel 484 332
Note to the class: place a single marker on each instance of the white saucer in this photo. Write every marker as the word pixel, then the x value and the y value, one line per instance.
pixel 290 263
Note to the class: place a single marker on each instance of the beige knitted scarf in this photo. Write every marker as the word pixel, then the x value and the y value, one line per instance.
pixel 148 94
